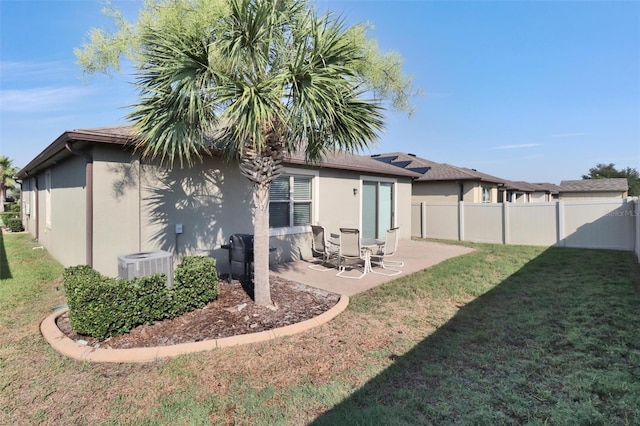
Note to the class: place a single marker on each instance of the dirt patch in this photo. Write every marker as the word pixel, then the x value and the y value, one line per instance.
pixel 233 313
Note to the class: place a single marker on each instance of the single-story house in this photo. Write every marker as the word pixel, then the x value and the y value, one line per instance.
pixel 593 189
pixel 525 192
pixel 89 198
pixel 445 183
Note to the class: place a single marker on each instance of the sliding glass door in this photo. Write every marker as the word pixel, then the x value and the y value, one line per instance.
pixel 377 208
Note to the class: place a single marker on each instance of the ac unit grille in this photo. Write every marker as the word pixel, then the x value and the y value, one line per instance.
pixel 137 265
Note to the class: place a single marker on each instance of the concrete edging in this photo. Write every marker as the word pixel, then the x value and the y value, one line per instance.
pixel 69 347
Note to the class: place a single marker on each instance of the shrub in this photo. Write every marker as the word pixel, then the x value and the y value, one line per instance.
pixel 101 307
pixel 195 283
pixel 14 224
pixel 14 207
pixel 5 216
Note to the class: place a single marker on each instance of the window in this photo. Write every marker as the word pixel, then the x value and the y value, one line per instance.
pixel 47 198
pixel 486 194
pixel 290 201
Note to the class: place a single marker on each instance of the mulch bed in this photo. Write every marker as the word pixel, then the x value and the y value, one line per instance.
pixel 233 313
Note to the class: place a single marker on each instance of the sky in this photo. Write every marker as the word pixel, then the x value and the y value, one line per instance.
pixel 539 91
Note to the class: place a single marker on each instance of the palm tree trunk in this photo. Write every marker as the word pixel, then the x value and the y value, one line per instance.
pixel 261 286
pixel 261 169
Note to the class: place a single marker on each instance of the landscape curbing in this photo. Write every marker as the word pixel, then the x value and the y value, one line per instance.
pixel 70 348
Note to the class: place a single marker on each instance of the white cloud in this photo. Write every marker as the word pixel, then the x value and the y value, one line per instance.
pixel 40 98
pixel 19 71
pixel 523 145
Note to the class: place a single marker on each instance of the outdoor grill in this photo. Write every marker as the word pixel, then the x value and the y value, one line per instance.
pixel 240 249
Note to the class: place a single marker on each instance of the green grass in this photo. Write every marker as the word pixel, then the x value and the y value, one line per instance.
pixel 503 335
pixel 27 275
pixel 550 337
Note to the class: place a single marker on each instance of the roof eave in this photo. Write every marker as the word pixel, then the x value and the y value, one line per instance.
pixel 341 166
pixel 57 147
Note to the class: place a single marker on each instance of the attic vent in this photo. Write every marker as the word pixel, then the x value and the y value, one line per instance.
pixel 147 263
pixel 375 155
pixel 412 155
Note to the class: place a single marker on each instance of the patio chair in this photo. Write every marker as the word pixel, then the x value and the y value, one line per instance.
pixel 350 250
pixel 321 247
pixel 384 252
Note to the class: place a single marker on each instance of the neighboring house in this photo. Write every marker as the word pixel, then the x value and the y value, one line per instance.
pixel 89 197
pixel 525 192
pixel 444 183
pixel 593 189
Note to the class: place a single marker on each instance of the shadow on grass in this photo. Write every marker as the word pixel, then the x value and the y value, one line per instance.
pixel 5 271
pixel 556 342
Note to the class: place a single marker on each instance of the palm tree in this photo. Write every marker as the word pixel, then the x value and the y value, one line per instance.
pixel 7 171
pixel 254 79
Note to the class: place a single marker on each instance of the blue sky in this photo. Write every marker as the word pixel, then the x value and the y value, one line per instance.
pixel 525 90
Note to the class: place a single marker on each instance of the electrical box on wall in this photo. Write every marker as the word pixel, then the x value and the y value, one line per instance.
pixel 178 228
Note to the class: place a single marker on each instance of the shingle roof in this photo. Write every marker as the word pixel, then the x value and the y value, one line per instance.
pixel 348 161
pixel 432 171
pixel 551 187
pixel 594 185
pixel 125 135
pixel 529 187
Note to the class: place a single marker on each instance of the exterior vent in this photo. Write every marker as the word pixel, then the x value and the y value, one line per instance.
pixel 147 263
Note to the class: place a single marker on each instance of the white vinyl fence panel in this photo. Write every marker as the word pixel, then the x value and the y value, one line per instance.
pixel 610 224
pixel 599 224
pixel 442 221
pixel 532 224
pixel 482 223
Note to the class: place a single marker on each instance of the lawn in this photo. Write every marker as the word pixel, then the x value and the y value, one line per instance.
pixel 503 335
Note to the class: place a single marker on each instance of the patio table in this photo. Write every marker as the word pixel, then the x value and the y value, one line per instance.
pixel 367 245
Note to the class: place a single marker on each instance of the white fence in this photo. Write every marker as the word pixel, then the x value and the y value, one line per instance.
pixel 612 224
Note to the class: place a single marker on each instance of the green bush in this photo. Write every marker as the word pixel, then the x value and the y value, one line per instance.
pixel 195 283
pixel 5 216
pixel 14 224
pixel 14 207
pixel 101 307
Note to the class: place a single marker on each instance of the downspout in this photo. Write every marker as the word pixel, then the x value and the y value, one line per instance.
pixel 35 207
pixel 89 193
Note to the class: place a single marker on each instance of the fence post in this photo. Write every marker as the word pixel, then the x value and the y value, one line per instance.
pixel 560 221
pixel 636 214
pixel 423 219
pixel 505 223
pixel 461 220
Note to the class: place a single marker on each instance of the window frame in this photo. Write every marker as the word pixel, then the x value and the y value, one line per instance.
pixel 290 228
pixel 488 192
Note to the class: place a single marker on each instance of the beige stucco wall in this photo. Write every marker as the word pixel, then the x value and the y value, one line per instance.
pixel 116 228
pixel 584 196
pixel 211 200
pixel 436 192
pixel 137 206
pixel 449 192
pixel 66 237
pixel 338 206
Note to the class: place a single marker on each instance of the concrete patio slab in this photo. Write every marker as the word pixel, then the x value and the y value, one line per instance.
pixel 416 255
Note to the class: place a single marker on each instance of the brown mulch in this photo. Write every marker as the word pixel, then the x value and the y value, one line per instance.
pixel 231 314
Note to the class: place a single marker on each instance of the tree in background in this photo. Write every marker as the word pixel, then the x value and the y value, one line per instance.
pixel 602 171
pixel 7 172
pixel 255 79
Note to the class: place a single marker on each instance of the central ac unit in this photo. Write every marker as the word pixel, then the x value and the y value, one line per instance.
pixel 147 263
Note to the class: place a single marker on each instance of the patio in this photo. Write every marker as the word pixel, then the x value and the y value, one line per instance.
pixel 416 255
